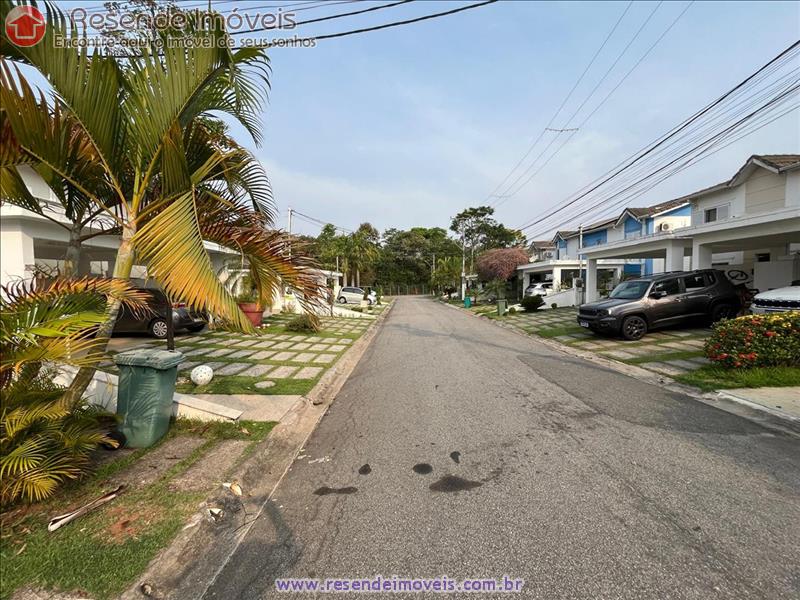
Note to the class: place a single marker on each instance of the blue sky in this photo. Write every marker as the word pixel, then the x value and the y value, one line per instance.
pixel 406 127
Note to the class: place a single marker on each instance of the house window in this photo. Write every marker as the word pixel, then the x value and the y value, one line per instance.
pixel 716 213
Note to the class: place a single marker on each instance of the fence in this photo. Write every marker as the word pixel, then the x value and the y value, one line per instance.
pixel 402 289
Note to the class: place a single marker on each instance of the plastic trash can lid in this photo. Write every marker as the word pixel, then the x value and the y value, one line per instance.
pixel 149 357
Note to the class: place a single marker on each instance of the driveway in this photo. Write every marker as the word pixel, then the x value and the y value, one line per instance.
pixel 457 448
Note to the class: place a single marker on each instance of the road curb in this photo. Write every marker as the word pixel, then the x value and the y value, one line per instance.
pixel 766 417
pixel 190 565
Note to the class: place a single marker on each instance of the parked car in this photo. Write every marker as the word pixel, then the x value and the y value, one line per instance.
pixel 354 295
pixel 639 305
pixel 778 300
pixel 154 321
pixel 539 289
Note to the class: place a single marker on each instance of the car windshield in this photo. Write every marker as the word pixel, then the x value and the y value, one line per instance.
pixel 630 290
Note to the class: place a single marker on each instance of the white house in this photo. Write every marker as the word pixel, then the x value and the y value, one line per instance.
pixel 561 263
pixel 749 224
pixel 31 243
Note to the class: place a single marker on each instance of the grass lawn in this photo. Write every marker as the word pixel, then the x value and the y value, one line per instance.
pixel 712 377
pixel 663 356
pixel 551 332
pixel 274 346
pixel 231 384
pixel 101 553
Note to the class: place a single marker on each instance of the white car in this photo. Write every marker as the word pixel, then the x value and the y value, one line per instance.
pixel 778 300
pixel 539 289
pixel 354 295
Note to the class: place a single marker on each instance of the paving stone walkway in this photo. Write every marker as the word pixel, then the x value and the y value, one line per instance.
pixel 263 363
pixel 668 352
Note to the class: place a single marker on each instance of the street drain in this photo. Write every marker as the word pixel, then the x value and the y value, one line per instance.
pixel 325 490
pixel 422 469
pixel 453 483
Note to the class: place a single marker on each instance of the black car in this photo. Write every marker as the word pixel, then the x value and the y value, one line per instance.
pixel 154 321
pixel 639 305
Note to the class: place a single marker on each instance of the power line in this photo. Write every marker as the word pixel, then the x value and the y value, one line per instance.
pixel 218 6
pixel 776 62
pixel 336 16
pixel 604 100
pixel 393 24
pixel 663 141
pixel 780 97
pixel 509 193
pixel 704 154
pixel 320 222
pixel 354 31
pixel 563 103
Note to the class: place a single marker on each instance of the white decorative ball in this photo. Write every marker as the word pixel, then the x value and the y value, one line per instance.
pixel 202 375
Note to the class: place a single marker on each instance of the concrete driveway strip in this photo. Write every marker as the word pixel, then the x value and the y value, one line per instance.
pixel 489 455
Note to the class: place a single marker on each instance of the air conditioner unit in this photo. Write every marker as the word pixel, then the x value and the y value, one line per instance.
pixel 664 227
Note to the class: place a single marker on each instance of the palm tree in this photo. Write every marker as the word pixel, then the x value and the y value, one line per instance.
pixel 44 437
pixel 363 249
pixel 447 273
pixel 154 168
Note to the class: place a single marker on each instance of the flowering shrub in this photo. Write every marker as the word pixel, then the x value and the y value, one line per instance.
pixel 756 341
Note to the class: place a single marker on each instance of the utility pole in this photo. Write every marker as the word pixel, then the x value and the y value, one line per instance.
pixel 580 262
pixel 289 228
pixel 463 268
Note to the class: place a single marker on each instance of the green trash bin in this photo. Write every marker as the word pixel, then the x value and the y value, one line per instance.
pixel 144 396
pixel 467 301
pixel 502 306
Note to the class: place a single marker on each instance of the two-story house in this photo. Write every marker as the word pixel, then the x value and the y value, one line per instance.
pixel 749 224
pixel 560 264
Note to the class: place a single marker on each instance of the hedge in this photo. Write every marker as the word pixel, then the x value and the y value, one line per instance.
pixel 756 341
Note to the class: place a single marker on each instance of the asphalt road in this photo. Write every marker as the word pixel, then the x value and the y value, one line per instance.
pixel 583 482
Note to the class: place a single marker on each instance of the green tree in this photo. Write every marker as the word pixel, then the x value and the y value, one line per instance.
pixel 140 118
pixel 45 438
pixel 479 231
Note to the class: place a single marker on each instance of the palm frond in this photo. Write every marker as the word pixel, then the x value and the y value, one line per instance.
pixel 275 260
pixel 172 244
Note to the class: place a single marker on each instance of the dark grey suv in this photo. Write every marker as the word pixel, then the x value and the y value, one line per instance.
pixel 639 305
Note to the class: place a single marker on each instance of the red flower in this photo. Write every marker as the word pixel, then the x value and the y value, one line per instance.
pixel 770 333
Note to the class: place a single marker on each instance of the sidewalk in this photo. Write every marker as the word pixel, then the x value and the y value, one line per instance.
pixel 781 401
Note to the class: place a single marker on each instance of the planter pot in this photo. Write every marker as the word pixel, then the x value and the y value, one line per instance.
pixel 253 312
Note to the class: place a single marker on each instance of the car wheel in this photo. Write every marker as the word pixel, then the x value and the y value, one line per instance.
pixel 722 311
pixel 342 300
pixel 158 329
pixel 633 328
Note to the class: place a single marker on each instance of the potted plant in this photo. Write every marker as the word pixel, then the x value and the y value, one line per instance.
pixel 248 299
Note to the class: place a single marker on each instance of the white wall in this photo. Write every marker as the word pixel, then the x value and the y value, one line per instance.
pixel 615 233
pixel 765 191
pixel 16 252
pixel 775 273
pixel 572 248
pixel 734 198
pixel 675 222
